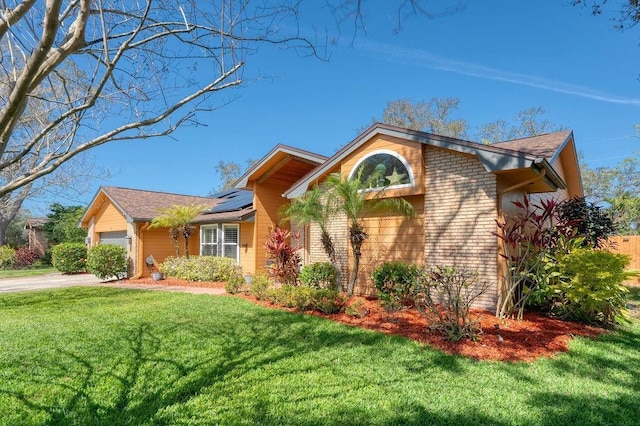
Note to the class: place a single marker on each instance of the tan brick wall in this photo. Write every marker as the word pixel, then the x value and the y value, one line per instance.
pixel 338 229
pixel 460 213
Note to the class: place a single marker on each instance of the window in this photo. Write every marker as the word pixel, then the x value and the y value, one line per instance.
pixel 221 240
pixel 209 241
pixel 383 169
pixel 231 241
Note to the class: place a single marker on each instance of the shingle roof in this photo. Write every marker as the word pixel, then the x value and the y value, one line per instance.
pixel 141 205
pixel 36 222
pixel 542 146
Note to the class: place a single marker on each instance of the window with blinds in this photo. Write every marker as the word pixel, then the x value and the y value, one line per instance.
pixel 221 240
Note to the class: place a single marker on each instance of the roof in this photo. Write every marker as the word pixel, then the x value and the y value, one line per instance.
pixel 286 152
pixel 36 222
pixel 497 157
pixel 235 205
pixel 543 146
pixel 141 206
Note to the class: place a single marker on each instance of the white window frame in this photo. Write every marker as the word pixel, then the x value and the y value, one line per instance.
pixel 220 242
pixel 215 243
pixel 411 183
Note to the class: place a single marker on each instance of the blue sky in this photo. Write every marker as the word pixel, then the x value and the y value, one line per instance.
pixel 498 57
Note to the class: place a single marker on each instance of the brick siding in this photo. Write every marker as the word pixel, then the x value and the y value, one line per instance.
pixel 460 213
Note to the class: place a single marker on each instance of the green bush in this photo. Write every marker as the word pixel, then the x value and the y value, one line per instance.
pixel 306 298
pixel 259 287
pixel 200 268
pixel 318 275
pixel 590 287
pixel 234 283
pixel 395 282
pixel 107 260
pixel 69 258
pixel 7 257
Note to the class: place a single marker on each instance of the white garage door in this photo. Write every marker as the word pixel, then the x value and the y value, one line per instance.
pixel 115 237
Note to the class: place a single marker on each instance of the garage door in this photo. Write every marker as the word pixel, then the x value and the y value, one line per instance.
pixel 116 237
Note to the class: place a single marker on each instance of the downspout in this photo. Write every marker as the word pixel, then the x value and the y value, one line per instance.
pixel 501 260
pixel 140 251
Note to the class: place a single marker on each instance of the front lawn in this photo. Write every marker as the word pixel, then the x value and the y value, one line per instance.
pixel 32 271
pixel 105 356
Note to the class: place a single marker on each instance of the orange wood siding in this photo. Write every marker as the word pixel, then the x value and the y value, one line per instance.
pixel 158 244
pixel 267 201
pixel 108 218
pixel 247 250
pixel 411 151
pixel 391 237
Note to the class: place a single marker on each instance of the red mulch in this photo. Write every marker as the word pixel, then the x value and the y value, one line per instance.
pixel 501 340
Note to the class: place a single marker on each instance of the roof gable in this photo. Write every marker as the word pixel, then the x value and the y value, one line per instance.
pixel 494 157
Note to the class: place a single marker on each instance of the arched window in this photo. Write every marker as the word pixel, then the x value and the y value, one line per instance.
pixel 383 169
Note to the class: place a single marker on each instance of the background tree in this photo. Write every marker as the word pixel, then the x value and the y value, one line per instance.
pixel 618 189
pixel 229 172
pixel 62 226
pixel 15 235
pixel 179 221
pixel 433 116
pixel 526 123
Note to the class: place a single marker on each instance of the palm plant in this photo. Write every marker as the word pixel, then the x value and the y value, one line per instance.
pixel 347 196
pixel 313 208
pixel 179 220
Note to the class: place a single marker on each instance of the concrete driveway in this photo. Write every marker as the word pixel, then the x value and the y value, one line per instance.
pixel 57 280
pixel 44 282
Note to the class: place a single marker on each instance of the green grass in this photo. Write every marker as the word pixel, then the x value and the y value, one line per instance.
pixel 109 357
pixel 28 272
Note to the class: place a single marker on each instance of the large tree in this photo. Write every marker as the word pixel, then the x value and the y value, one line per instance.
pixel 618 189
pixel 62 226
pixel 528 122
pixel 111 71
pixel 433 116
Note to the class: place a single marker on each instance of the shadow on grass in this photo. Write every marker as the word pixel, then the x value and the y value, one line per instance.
pixel 153 381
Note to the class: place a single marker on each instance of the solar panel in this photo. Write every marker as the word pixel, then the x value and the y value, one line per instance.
pixel 233 200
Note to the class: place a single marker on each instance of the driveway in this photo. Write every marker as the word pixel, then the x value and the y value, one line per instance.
pixel 58 280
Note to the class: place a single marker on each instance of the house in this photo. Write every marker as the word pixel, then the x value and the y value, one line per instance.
pixel 37 237
pixel 458 188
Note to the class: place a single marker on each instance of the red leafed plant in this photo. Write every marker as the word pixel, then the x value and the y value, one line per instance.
pixel 284 255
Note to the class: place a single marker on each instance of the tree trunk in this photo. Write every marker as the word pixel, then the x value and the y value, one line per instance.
pixel 357 237
pixel 329 248
pixel 9 208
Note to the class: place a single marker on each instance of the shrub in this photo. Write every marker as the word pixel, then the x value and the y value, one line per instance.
pixel 259 286
pixel 107 260
pixel 25 256
pixel 69 258
pixel 200 268
pixel 234 283
pixel 327 301
pixel 47 258
pixel 395 282
pixel 284 255
pixel 447 293
pixel 7 257
pixel 306 298
pixel 319 275
pixel 357 309
pixel 590 288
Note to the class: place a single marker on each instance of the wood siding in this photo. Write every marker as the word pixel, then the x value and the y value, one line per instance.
pixel 267 200
pixel 109 218
pixel 629 245
pixel 247 250
pixel 391 237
